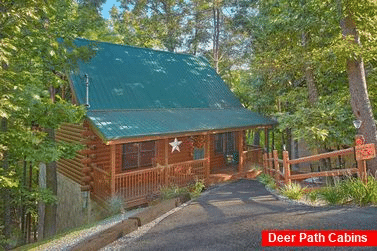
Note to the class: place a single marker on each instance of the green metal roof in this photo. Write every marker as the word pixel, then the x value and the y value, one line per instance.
pixel 125 77
pixel 134 123
pixel 139 92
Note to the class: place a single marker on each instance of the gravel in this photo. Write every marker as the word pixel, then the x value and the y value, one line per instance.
pixel 68 241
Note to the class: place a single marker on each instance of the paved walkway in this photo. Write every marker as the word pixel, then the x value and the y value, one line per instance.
pixel 231 217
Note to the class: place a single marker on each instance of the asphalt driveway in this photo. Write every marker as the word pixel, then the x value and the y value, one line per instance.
pixel 231 217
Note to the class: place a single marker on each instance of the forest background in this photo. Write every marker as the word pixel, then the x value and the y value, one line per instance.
pixel 311 65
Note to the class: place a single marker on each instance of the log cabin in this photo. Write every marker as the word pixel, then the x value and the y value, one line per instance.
pixel 154 118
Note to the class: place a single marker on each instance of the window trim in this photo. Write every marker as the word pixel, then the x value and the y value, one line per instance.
pixel 199 149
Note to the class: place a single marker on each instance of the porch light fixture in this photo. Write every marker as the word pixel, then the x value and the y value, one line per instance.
pixel 357 123
pixel 87 90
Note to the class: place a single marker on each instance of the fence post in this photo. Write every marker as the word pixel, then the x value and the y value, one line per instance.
pixel 277 168
pixel 265 157
pixel 287 170
pixel 361 164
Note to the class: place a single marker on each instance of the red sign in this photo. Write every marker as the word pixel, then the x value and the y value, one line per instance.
pixel 365 152
pixel 324 238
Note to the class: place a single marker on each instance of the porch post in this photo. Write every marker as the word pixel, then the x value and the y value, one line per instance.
pixel 240 152
pixel 113 167
pixel 277 168
pixel 166 161
pixel 207 156
pixel 266 139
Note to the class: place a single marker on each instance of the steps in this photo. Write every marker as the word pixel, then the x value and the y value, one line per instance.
pixel 230 176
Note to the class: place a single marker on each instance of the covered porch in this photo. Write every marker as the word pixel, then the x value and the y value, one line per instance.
pixel 199 158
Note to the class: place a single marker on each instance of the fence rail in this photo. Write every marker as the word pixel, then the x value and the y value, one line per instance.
pixel 281 168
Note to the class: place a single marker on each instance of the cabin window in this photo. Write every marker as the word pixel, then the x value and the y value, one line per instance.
pixel 225 143
pixel 199 153
pixel 138 154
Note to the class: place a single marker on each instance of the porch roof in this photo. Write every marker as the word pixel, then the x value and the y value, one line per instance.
pixel 117 124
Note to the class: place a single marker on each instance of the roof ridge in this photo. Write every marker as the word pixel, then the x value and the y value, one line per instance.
pixel 145 48
pixel 162 109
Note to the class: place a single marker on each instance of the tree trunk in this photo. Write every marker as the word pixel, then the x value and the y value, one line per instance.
pixel 296 154
pixel 312 88
pixel 256 140
pixel 51 183
pixel 216 34
pixel 289 142
pixel 360 103
pixel 50 216
pixel 6 192
pixel 309 75
pixel 41 205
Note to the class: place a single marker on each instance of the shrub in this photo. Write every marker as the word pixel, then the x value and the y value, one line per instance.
pixel 331 194
pixel 172 191
pixel 312 195
pixel 293 191
pixel 116 205
pixel 196 188
pixel 267 180
pixel 351 190
pixel 355 191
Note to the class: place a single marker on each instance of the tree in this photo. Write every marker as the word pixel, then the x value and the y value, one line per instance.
pixel 151 23
pixel 36 51
pixel 365 15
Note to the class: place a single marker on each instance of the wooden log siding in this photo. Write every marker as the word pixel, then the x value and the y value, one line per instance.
pixel 72 168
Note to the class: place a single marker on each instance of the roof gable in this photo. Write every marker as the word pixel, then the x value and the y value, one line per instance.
pixel 126 77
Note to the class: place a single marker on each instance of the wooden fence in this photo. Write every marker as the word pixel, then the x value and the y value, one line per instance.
pixel 281 168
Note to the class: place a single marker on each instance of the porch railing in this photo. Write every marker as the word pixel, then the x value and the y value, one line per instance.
pixel 181 174
pixel 138 187
pixel 101 185
pixel 253 156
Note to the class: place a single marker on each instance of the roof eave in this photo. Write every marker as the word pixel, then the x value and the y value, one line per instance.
pixel 139 138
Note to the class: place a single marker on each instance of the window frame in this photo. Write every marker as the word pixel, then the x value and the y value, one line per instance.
pixel 139 155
